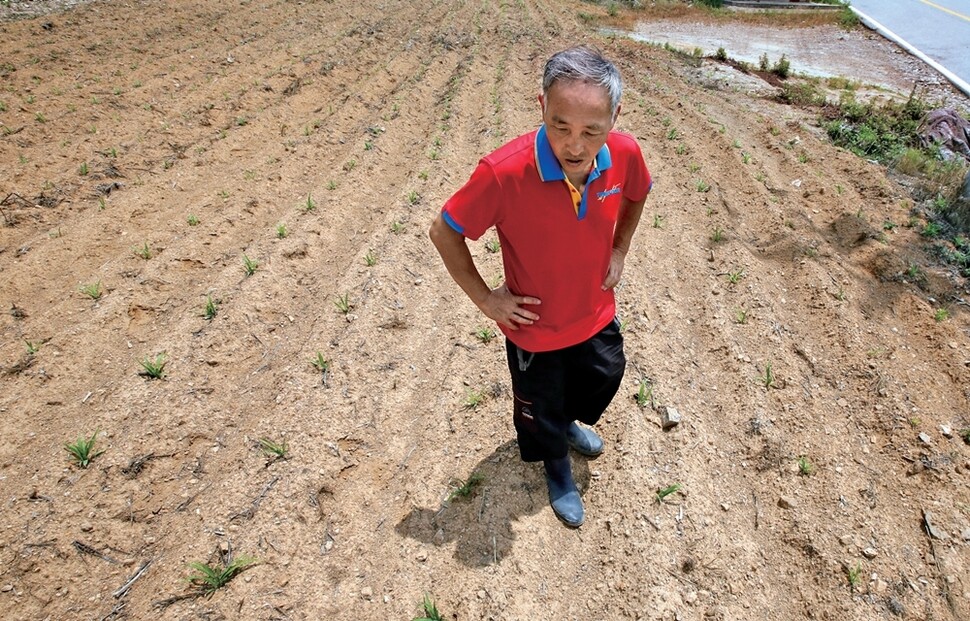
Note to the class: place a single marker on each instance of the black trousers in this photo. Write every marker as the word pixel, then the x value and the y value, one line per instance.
pixel 552 389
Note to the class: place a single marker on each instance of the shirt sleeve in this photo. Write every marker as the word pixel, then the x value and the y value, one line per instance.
pixel 474 208
pixel 638 181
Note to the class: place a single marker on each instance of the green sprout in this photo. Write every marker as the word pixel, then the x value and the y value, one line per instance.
pixel 92 290
pixel 211 307
pixel 193 220
pixel 274 449
pixel 144 252
pixel 81 450
pixel 281 231
pixel 768 378
pixel 430 610
pixel 309 205
pixel 805 467
pixel 463 489
pixel 667 491
pixel 210 579
pixel 485 335
pixel 249 265
pixel 473 399
pixel 343 303
pixel 370 259
pixel 644 396
pixel 153 368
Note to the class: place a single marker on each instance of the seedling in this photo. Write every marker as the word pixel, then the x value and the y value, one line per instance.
pixel 805 467
pixel 667 491
pixel 463 489
pixel 193 220
pixel 736 276
pixel 681 149
pixel 331 185
pixel 854 574
pixel 102 204
pixel 740 316
pixel 39 117
pixel 210 579
pixel 702 186
pixel 413 198
pixel 309 205
pixel 965 434
pixel 745 158
pixel 321 364
pixel 768 378
pixel 153 368
pixel 31 347
pixel 658 221
pixel 624 324
pixel 349 165
pixel 430 611
pixel 368 145
pixel 343 303
pixel 672 133
pixel 211 308
pixel 492 246
pixel 81 450
pixel 144 252
pixel 370 259
pixel 83 169
pixel 92 290
pixel 485 335
pixel 250 266
pixel 473 399
pixel 941 314
pixel 396 227
pixel 224 194
pixel 274 449
pixel 423 175
pixel 281 231
pixel 717 234
pixel 644 394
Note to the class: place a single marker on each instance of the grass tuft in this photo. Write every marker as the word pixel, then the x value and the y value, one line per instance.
pixel 153 368
pixel 92 290
pixel 249 265
pixel 667 491
pixel 211 308
pixel 430 611
pixel 463 489
pixel 276 450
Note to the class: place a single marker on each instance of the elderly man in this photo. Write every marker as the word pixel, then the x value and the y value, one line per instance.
pixel 565 200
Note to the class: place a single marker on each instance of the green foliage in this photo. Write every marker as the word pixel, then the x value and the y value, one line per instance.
pixel 736 276
pixel 370 259
pixel 485 335
pixel 782 68
pixel 473 399
pixel 309 205
pixel 805 467
pixel 144 252
pixel 717 234
pixel 881 132
pixel 667 491
pixel 802 94
pixel 92 290
pixel 768 378
pixel 941 314
pixel 321 364
pixel 211 307
pixel 153 368
pixel 430 610
pixel 740 316
pixel 32 347
pixel 210 579
pixel 281 231
pixel 720 55
pixel 492 246
pixel 343 303
pixel 249 265
pixel 83 169
pixel 274 449
pixel 193 220
pixel 463 489
pixel 81 450
pixel 702 186
pixel 854 574
pixel 644 396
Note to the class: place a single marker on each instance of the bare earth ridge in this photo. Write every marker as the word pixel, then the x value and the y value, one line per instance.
pixel 121 120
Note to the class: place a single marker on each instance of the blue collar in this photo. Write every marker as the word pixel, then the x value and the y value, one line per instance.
pixel 549 167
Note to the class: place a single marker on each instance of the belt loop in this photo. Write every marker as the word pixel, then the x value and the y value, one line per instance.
pixel 523 363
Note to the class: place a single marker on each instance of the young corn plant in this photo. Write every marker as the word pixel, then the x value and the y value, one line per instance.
pixel 463 489
pixel 805 467
pixel 82 451
pixel 92 290
pixel 485 335
pixel 429 610
pixel 854 574
pixel 193 220
pixel 740 316
pixel 153 368
pixel 370 259
pixel 644 395
pixel 658 221
pixel 281 231
pixel 210 579
pixel 276 450
pixel 717 234
pixel 941 314
pixel 667 491
pixel 492 246
pixel 473 399
pixel 32 347
pixel 211 308
pixel 144 252
pixel 322 365
pixel 343 303
pixel 736 276
pixel 309 205
pixel 396 227
pixel 249 265
pixel 768 378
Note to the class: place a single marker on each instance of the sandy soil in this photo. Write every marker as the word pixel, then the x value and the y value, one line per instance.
pixel 122 120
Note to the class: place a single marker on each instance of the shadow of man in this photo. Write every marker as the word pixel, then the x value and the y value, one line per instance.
pixel 481 523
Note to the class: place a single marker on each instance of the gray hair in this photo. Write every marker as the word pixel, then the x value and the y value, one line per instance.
pixel 584 64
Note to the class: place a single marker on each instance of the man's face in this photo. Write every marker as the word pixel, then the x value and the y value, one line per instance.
pixel 578 119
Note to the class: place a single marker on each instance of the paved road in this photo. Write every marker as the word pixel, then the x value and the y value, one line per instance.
pixel 938 28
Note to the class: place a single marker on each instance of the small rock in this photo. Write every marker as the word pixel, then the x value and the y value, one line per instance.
pixel 482 594
pixel 845 540
pixel 843 402
pixel 669 417
pixel 880 587
pixel 965 534
pixel 934 532
pixel 6 588
pixel 869 553
pixel 946 431
pixel 367 593
pixel 924 438
pixel 421 556
pixel 690 598
pixel 786 502
pixel 725 506
pixel 86 527
pixel 916 468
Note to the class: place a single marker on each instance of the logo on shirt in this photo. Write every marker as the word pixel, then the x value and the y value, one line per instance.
pixel 614 190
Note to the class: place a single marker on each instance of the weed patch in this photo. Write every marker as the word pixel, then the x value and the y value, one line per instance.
pixel 209 579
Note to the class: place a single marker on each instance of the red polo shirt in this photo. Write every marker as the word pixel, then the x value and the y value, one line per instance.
pixel 548 249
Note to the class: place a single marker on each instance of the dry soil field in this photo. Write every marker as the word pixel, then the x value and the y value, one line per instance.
pixel 152 147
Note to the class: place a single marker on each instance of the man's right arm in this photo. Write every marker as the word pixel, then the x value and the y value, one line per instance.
pixel 500 304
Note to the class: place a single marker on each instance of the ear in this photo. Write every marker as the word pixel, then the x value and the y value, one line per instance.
pixel 617 115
